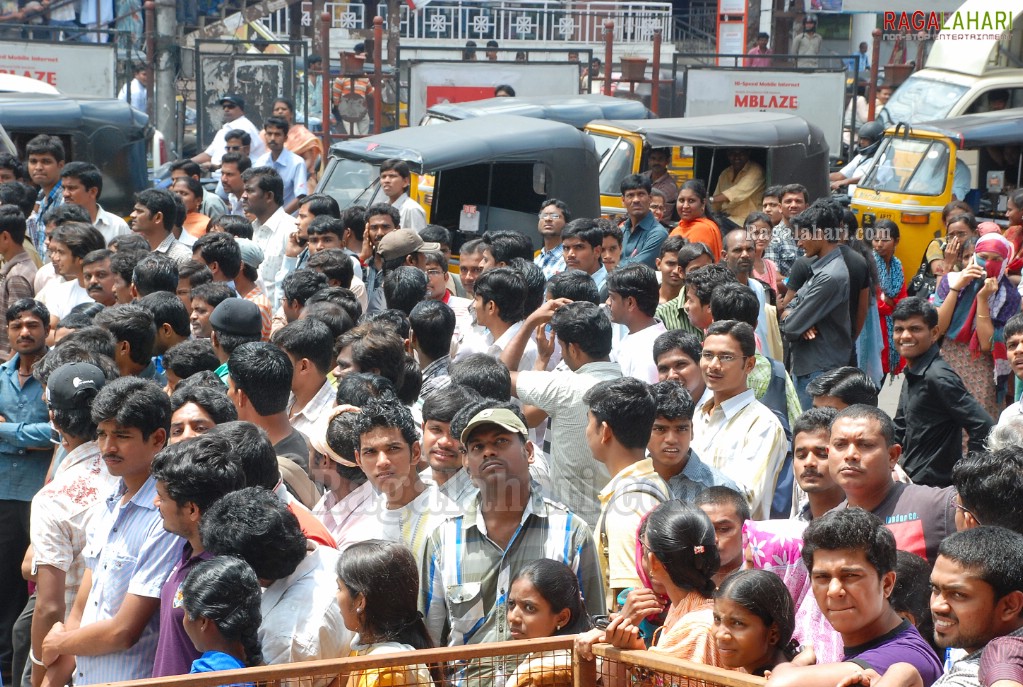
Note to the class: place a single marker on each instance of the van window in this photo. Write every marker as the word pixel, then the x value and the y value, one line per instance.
pixel 909 165
pixel 922 100
pixel 616 155
pixel 982 102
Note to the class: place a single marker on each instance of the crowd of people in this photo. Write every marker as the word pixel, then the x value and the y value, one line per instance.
pixel 252 427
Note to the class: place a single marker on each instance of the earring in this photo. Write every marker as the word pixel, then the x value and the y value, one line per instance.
pixel 557 627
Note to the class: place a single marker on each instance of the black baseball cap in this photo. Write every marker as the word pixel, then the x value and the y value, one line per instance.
pixel 73 386
pixel 237 316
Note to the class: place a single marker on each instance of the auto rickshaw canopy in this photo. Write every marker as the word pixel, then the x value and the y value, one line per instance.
pixel 997 128
pixel 577 110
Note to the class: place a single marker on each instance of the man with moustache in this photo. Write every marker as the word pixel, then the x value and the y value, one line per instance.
pixel 810 436
pixel 113 630
pixel 24 454
pixel 98 277
pixel 861 456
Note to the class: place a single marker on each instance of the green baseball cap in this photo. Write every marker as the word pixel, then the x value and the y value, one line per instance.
pixel 495 416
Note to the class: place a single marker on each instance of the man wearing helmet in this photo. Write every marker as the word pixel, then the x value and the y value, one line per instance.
pixel 869 137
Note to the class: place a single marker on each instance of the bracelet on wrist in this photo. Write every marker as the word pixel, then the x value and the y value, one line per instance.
pixel 35 661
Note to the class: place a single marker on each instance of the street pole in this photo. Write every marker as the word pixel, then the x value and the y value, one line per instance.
pixel 164 86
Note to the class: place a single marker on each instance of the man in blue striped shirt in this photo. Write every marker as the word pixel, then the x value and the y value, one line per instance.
pixel 470 560
pixel 112 630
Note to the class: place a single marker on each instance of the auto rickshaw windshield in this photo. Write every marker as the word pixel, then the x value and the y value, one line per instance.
pixel 909 165
pixel 353 182
pixel 615 161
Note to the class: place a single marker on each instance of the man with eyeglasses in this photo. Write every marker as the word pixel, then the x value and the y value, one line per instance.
pixel 554 215
pixel 234 118
pixel 733 431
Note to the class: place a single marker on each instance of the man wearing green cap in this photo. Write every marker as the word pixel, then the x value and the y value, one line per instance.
pixel 471 559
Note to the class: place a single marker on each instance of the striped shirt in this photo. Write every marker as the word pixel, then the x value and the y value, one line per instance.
pixel 686 632
pixel 674 315
pixel 743 439
pixel 466 576
pixel 128 552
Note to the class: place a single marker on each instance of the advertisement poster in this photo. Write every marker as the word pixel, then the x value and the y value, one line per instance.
pixel 816 97
pixel 75 69
pixel 435 82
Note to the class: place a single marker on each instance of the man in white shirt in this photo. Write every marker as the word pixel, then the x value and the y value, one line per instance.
pixel 82 184
pixel 262 195
pixel 732 431
pixel 301 619
pixel 289 166
pixel 232 166
pixel 395 179
pixel 136 88
pixel 234 118
pixel 583 331
pixel 69 245
pixel 738 254
pixel 632 299
pixel 500 295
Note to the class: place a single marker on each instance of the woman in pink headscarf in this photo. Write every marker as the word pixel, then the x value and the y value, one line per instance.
pixel 973 306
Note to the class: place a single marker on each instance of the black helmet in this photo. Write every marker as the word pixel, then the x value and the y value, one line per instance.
pixel 871 131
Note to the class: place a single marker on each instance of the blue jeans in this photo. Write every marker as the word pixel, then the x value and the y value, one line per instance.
pixel 800 382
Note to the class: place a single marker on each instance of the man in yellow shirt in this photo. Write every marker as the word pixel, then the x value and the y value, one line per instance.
pixel 740 187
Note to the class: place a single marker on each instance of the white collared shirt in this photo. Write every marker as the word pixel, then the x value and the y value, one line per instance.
pixel 743 439
pixel 301 618
pixel 635 353
pixel 306 419
pixel 110 225
pixel 272 238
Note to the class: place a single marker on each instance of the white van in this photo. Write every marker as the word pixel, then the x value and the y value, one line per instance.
pixel 961 75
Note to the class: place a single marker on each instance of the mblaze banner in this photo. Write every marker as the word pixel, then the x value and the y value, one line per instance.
pixel 75 69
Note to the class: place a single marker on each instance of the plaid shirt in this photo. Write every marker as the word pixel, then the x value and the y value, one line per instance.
pixel 551 262
pixel 782 250
pixel 466 576
pixel 19 276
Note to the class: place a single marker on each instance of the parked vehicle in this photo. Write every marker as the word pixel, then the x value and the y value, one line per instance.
pixel 790 149
pixel 107 132
pixel 477 174
pixel 960 76
pixel 918 166
pixel 577 110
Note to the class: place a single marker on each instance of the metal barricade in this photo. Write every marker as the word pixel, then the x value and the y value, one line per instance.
pixel 549 662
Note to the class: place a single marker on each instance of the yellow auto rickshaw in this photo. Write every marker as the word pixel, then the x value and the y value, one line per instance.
pixel 790 149
pixel 919 169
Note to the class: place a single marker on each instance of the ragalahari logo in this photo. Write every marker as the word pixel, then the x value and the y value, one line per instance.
pixel 963 24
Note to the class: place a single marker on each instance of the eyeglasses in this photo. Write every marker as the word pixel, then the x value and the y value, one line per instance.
pixel 549 215
pixel 723 358
pixel 434 273
pixel 229 106
pixel 964 509
pixel 232 147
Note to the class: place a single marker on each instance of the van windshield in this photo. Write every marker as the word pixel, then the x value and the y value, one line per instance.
pixel 909 165
pixel 615 161
pixel 922 100
pixel 349 182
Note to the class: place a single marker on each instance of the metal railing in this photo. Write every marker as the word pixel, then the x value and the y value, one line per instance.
pixel 522 20
pixel 533 661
